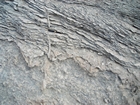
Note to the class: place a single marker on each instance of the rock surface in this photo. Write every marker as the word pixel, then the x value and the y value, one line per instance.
pixel 69 52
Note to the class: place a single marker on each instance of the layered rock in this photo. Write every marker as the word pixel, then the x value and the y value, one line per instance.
pixel 69 52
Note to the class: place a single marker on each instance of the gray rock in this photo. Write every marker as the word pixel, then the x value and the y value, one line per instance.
pixel 69 52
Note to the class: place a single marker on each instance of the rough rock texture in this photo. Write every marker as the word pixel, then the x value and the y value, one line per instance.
pixel 69 52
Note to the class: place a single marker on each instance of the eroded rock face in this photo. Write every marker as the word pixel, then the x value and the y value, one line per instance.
pixel 69 52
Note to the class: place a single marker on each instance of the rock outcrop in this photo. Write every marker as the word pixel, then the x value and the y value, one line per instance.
pixel 69 52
